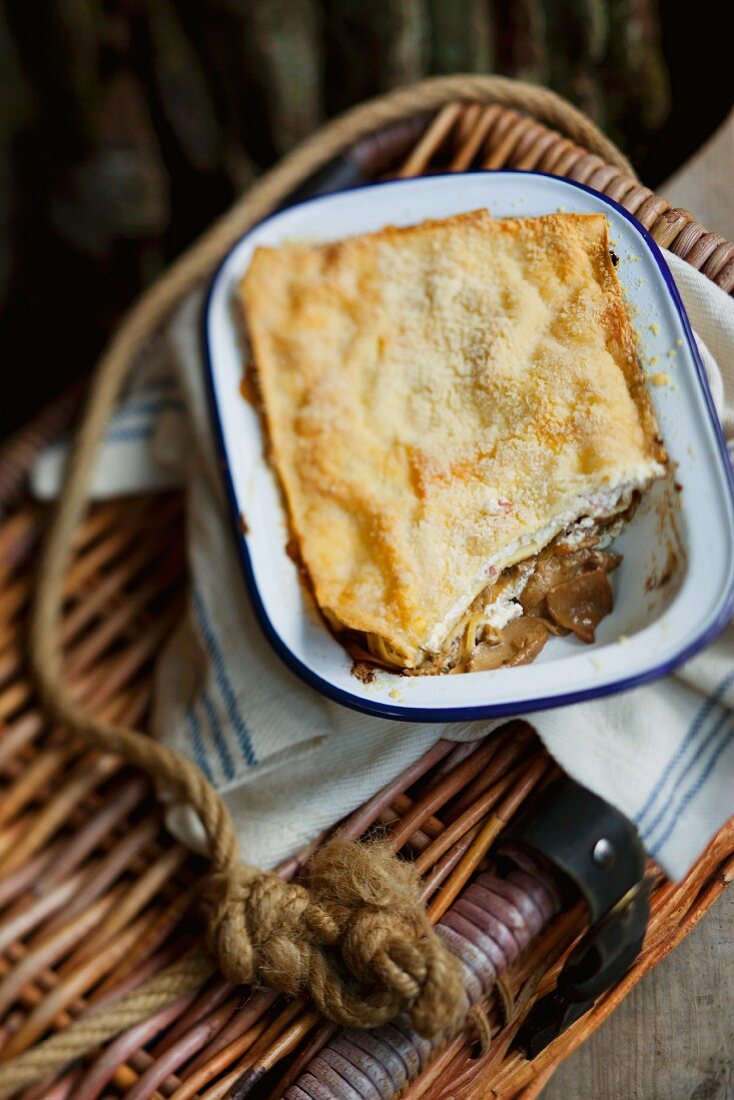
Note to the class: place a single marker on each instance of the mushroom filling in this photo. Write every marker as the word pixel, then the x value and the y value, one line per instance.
pixel 565 593
pixel 565 589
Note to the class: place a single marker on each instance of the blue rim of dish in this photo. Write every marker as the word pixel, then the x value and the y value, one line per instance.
pixel 402 713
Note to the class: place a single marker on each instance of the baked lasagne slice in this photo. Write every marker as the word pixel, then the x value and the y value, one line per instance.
pixel 457 416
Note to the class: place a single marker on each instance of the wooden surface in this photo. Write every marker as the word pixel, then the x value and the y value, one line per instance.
pixel 673 1037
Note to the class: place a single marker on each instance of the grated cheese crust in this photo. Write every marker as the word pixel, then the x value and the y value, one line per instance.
pixel 438 396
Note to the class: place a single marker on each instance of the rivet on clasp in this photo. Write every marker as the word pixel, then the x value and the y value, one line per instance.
pixel 604 853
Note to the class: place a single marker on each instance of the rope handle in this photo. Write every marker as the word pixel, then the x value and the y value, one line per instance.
pixel 359 914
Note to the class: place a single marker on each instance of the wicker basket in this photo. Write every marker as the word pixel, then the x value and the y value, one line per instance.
pixel 95 896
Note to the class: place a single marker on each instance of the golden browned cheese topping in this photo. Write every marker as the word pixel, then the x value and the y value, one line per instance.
pixel 441 401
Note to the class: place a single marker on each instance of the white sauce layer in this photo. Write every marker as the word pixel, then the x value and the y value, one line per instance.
pixel 505 608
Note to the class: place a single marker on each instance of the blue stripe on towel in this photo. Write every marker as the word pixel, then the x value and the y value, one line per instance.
pixel 693 732
pixel 151 407
pixel 695 789
pixel 130 435
pixel 223 682
pixel 220 744
pixel 146 413
pixel 197 741
pixel 670 805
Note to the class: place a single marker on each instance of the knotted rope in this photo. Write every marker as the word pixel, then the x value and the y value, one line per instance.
pixel 354 934
pixel 359 905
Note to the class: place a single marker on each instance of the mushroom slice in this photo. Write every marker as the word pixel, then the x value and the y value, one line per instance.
pixel 581 603
pixel 521 642
pixel 542 613
pixel 555 568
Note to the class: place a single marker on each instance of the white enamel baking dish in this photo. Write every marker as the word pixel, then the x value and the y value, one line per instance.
pixel 675 588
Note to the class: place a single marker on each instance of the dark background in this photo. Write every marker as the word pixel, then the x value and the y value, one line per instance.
pixel 126 126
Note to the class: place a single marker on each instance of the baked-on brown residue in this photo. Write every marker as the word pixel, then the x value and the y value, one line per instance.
pixel 291 549
pixel 364 671
pixel 249 389
pixel 658 580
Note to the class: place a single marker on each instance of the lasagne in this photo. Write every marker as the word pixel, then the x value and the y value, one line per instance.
pixel 460 424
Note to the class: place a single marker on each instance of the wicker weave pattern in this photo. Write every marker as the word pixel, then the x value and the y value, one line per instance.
pixel 466 136
pixel 95 897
